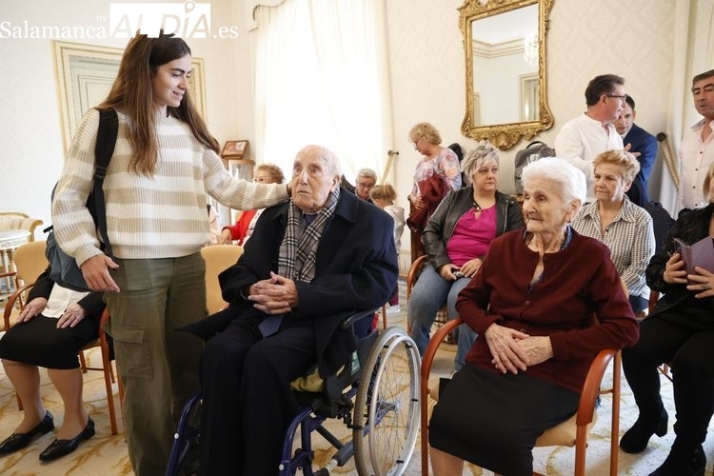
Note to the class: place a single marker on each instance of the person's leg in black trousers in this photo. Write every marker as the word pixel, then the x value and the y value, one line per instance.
pixel 659 340
pixel 693 377
pixel 222 365
pixel 266 400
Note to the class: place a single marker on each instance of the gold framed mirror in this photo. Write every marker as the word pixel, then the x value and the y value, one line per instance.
pixel 506 93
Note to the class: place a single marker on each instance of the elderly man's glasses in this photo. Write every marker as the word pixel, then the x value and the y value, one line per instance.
pixel 621 98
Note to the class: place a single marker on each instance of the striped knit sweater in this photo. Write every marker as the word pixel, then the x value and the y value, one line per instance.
pixel 163 216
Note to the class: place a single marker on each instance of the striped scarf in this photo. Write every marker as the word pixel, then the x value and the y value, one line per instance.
pixel 298 252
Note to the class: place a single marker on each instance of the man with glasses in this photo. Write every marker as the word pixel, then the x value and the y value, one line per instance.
pixel 366 180
pixel 696 153
pixel 581 139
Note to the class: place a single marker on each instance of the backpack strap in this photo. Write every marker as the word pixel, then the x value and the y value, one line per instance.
pixel 106 140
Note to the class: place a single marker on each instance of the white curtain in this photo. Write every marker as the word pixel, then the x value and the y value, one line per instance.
pixel 321 78
pixel 693 54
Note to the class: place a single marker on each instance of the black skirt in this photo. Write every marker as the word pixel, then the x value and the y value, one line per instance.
pixel 39 342
pixel 493 420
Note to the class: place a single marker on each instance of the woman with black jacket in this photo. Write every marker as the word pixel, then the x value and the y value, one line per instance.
pixel 680 331
pixel 456 239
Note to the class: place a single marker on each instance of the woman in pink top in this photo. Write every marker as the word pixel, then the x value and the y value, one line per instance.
pixel 456 239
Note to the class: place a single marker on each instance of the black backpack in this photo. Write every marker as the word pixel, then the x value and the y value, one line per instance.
pixel 64 270
pixel 533 151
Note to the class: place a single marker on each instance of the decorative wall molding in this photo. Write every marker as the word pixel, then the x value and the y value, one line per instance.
pixel 85 74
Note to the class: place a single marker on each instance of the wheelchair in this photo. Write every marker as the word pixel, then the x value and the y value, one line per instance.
pixel 376 395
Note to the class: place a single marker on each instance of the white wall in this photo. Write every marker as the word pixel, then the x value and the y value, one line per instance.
pixel 586 38
pixel 31 150
pixel 426 67
pixel 501 100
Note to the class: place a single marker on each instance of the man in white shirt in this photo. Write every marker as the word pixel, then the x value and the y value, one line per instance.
pixel 581 139
pixel 697 150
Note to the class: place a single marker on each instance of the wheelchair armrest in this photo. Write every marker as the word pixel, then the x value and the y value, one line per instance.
pixel 351 320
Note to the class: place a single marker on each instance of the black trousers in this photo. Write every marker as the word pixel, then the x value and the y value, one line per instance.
pixel 688 344
pixel 247 401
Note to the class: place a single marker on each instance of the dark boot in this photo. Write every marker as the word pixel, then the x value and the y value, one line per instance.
pixel 683 460
pixel 636 438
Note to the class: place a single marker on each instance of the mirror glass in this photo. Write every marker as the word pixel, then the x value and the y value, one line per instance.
pixel 505 69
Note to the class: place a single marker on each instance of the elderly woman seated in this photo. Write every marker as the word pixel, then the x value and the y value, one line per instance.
pixel 50 331
pixel 623 226
pixel 456 239
pixel 539 336
pixel 680 331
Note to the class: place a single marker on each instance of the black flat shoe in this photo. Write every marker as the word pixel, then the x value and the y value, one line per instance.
pixel 17 441
pixel 636 438
pixel 59 448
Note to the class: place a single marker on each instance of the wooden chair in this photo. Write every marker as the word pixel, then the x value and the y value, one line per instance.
pixel 218 258
pixel 19 221
pixel 30 261
pixel 572 432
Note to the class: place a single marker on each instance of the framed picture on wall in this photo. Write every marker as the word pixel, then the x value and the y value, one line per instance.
pixel 234 149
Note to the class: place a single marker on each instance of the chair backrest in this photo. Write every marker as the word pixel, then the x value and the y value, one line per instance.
pixel 30 261
pixel 662 221
pixel 218 258
pixel 19 221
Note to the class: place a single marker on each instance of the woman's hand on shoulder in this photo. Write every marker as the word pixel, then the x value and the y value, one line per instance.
pixel 96 273
pixel 508 356
pixel 674 272
pixel 32 309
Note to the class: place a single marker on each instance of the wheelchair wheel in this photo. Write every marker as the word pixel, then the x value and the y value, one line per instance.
pixel 386 414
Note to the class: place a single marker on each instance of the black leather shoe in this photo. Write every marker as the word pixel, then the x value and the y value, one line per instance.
pixel 683 461
pixel 59 448
pixel 17 441
pixel 636 438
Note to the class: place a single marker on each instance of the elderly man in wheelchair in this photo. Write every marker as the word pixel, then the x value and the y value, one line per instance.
pixel 312 262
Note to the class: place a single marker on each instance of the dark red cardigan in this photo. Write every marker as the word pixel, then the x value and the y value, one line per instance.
pixel 577 283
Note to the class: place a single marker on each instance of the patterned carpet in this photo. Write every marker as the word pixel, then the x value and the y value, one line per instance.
pixel 105 455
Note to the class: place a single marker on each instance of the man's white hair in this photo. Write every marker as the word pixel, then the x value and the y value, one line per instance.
pixel 331 161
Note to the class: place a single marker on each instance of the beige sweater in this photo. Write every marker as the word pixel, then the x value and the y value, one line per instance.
pixel 163 216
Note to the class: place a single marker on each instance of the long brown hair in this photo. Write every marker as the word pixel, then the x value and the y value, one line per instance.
pixel 132 94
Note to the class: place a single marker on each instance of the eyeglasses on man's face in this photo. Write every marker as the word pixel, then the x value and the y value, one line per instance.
pixel 621 98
